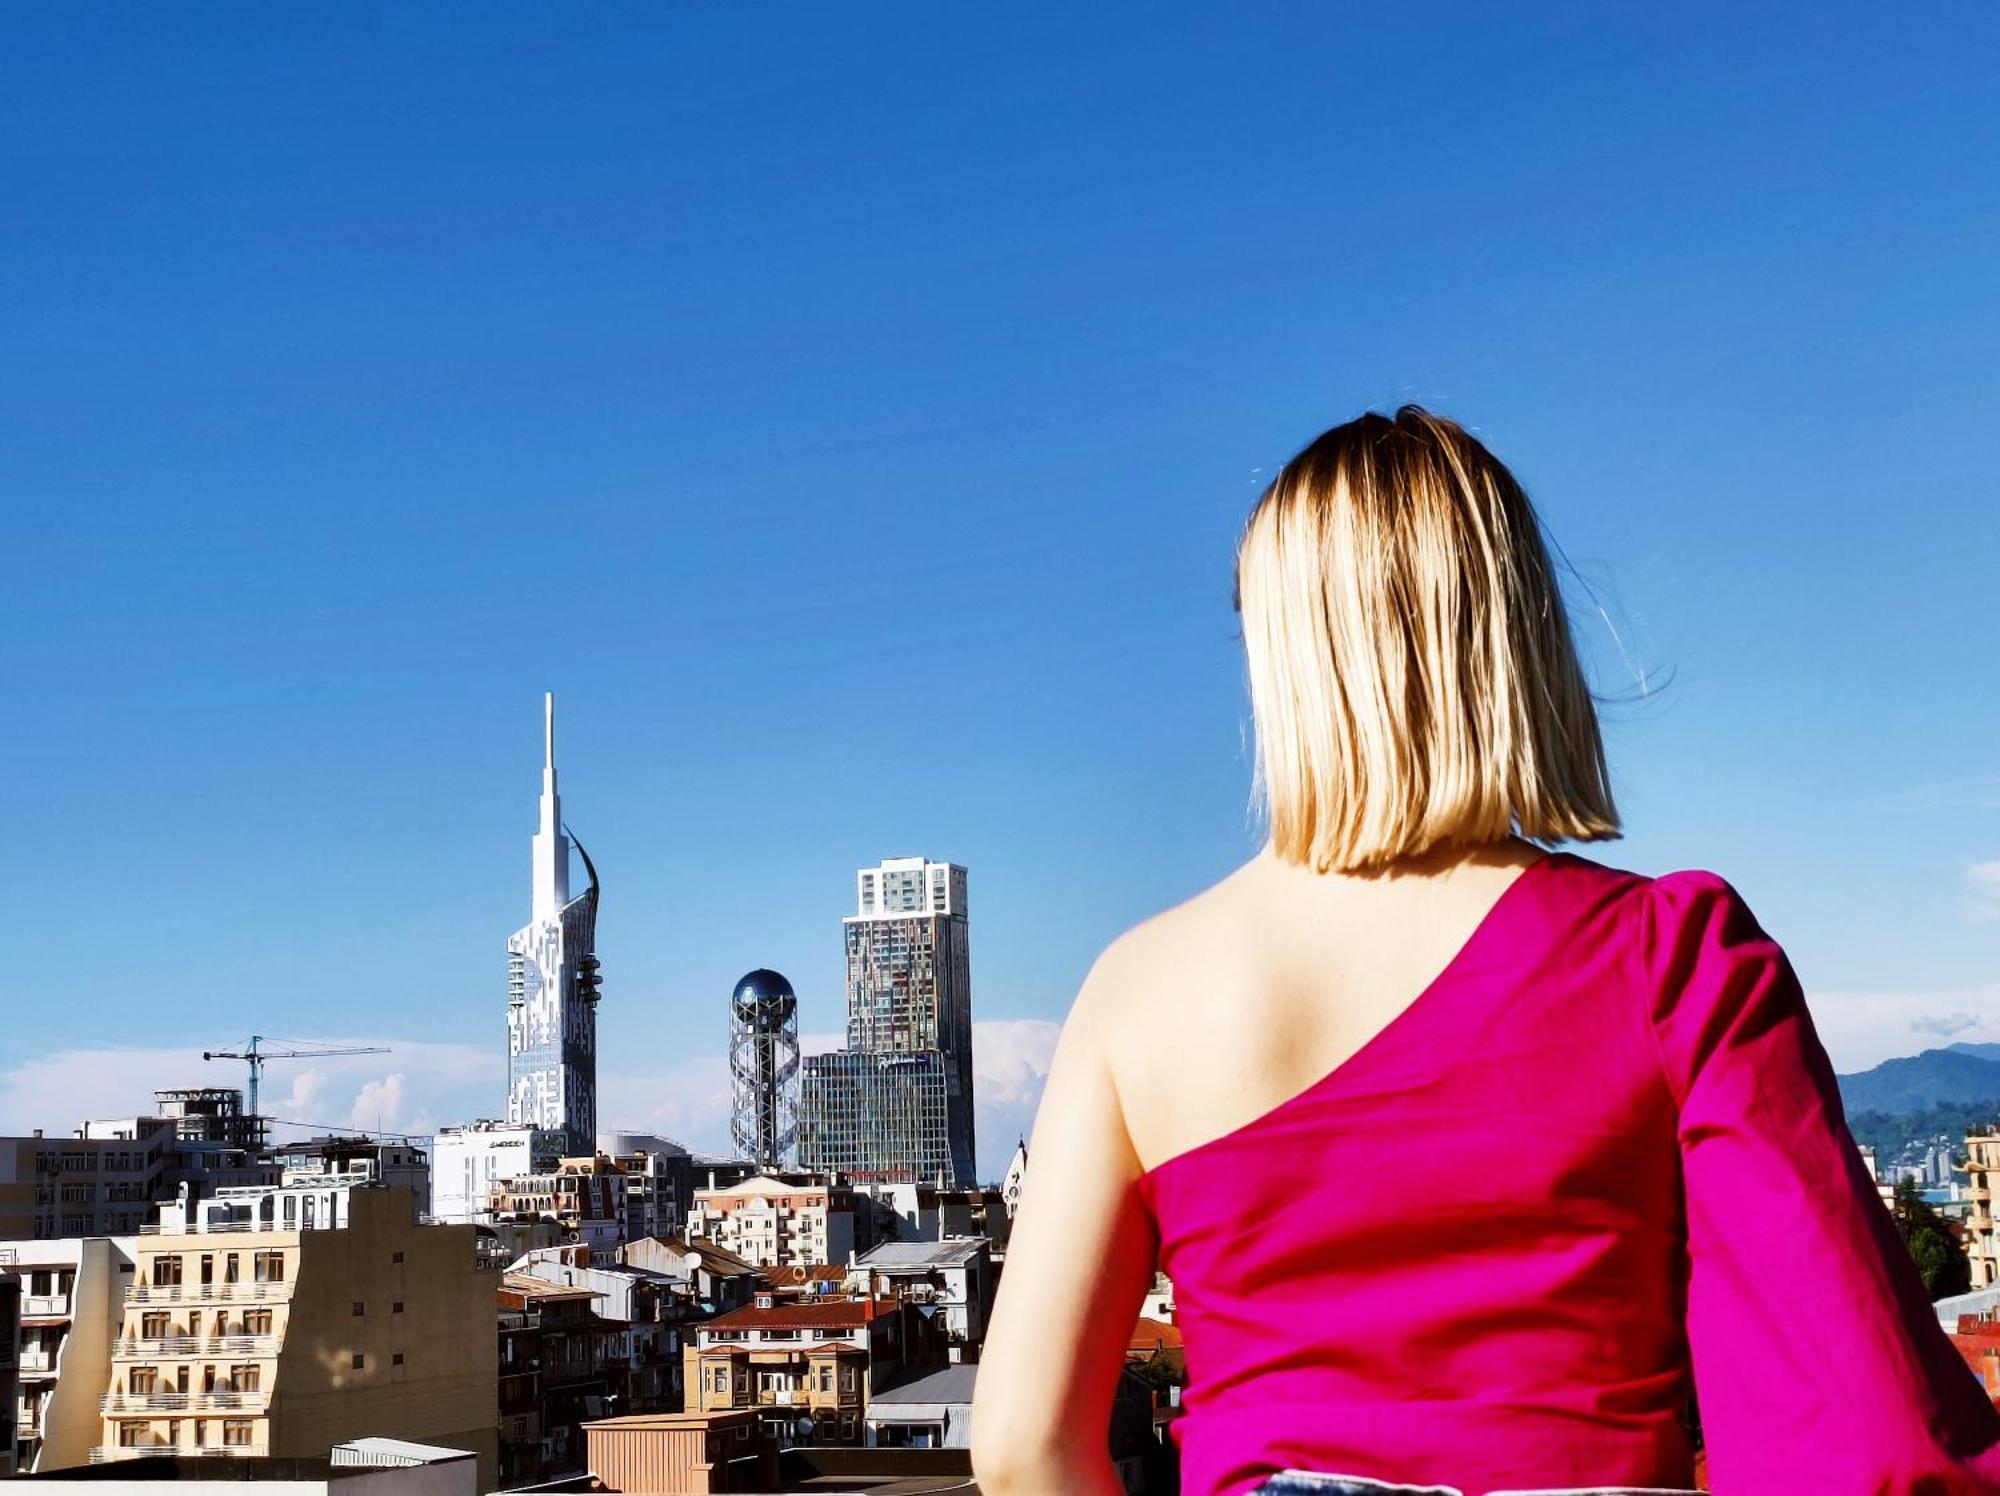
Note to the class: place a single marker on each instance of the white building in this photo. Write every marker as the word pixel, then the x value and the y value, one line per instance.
pixel 552 983
pixel 952 1279
pixel 468 1162
pixel 71 1293
pixel 770 1223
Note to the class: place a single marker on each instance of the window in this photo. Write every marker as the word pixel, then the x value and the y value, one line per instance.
pixel 395 1256
pixel 143 1381
pixel 229 1268
pixel 397 1307
pixel 359 1308
pixel 208 1267
pixel 244 1378
pixel 270 1267
pixel 131 1435
pixel 236 1432
pixel 256 1321
pixel 166 1272
pixel 360 1361
pixel 397 1359
pixel 153 1326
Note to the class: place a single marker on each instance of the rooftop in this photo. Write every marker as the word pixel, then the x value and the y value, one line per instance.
pixel 953 1251
pixel 824 1314
pixel 948 1384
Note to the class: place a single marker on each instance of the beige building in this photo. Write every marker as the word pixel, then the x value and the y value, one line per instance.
pixel 1982 1242
pixel 240 1339
pixel 771 1222
pixel 807 1368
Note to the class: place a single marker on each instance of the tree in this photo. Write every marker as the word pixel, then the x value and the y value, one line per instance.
pixel 1939 1258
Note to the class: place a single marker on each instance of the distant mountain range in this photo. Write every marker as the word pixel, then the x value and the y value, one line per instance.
pixel 1909 1101
pixel 1958 1073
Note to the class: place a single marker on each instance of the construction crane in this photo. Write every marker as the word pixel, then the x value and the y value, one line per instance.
pixel 260 1049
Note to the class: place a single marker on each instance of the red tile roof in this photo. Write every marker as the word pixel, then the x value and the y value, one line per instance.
pixel 1151 1335
pixel 805 1314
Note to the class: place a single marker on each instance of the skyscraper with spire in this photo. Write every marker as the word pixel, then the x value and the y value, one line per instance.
pixel 552 982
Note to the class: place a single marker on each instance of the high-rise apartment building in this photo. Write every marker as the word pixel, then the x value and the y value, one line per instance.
pixel 552 983
pixel 896 1104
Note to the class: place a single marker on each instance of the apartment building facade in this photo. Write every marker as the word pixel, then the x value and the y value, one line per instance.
pixel 1982 1239
pixel 585 1197
pixel 808 1367
pixel 285 1326
pixel 772 1222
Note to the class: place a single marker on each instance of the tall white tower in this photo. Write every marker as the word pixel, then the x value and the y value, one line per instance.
pixel 552 982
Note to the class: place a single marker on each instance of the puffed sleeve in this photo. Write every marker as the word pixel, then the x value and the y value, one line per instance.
pixel 1819 1364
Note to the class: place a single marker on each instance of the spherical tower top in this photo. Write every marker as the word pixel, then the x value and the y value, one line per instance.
pixel 764 1000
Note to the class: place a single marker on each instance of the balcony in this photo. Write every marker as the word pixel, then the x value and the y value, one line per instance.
pixel 208 1293
pixel 44 1305
pixel 107 1454
pixel 37 1361
pixel 219 1401
pixel 136 1347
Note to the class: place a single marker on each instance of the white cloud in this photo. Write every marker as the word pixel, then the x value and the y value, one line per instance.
pixel 401 1090
pixel 690 1102
pixel 1862 1029
pixel 1985 880
pixel 417 1086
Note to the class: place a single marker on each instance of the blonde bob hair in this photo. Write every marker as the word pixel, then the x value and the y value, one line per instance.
pixel 1412 674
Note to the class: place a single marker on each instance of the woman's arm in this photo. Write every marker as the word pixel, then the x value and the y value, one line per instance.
pixel 1078 1264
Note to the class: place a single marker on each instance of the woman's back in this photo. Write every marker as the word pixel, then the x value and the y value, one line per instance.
pixel 1467 1162
pixel 1280 974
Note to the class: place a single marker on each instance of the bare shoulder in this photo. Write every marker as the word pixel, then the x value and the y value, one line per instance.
pixel 1141 1001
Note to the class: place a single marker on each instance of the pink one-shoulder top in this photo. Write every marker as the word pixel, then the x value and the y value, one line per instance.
pixel 1601 1151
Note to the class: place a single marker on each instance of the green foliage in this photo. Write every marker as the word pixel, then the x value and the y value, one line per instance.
pixel 1940 1260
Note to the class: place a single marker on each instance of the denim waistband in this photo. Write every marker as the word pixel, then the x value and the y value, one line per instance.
pixel 1321 1483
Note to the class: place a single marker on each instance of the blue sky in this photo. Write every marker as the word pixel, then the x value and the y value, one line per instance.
pixel 849 412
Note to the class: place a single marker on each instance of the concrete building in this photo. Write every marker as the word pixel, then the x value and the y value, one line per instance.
pixel 468 1162
pixel 552 983
pixel 399 1165
pixel 641 1312
pixel 950 1280
pixel 70 1293
pixel 896 1103
pixel 323 1314
pixel 923 1212
pixel 809 1367
pixel 718 1278
pixel 553 1376
pixel 659 1178
pixel 1982 1239
pixel 585 1197
pixel 769 1221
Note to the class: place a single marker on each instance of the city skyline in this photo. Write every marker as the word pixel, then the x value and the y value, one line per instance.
pixel 891 507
